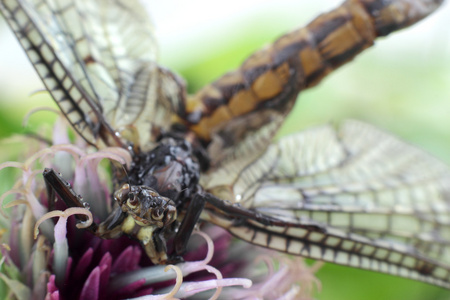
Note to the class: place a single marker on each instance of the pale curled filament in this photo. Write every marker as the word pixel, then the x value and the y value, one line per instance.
pixel 65 214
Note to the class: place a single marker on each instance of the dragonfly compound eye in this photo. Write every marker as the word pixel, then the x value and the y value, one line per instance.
pixel 132 201
pixel 166 214
pixel 121 194
pixel 171 214
pixel 158 214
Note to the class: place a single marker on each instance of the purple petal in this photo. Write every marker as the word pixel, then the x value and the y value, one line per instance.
pixel 144 292
pixel 136 257
pixel 91 287
pixel 128 260
pixel 69 267
pixel 83 264
pixel 105 267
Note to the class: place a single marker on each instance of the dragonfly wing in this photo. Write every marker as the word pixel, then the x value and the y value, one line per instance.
pixel 376 202
pixel 97 59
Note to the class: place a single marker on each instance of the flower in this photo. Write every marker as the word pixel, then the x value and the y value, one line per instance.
pixel 44 259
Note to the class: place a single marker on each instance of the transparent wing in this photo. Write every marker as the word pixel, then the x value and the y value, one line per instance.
pixel 382 204
pixel 97 59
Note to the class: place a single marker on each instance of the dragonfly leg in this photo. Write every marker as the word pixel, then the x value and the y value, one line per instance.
pixel 110 228
pixel 195 208
pixel 236 210
pixel 243 214
pixel 55 183
pixel 187 225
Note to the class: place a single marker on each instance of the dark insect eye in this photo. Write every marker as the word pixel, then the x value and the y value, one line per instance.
pixel 157 214
pixel 132 199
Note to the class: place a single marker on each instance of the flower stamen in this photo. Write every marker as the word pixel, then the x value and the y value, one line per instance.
pixel 6 194
pixel 173 291
pixel 60 245
pixel 63 215
pixel 219 277
pixel 123 157
pixel 35 110
pixel 178 280
pixel 268 262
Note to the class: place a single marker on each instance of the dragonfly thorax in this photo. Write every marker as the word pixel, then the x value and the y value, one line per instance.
pixel 171 169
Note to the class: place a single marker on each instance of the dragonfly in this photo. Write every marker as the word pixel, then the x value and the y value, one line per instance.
pixel 349 194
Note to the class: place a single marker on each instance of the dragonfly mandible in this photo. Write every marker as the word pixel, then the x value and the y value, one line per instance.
pixel 309 194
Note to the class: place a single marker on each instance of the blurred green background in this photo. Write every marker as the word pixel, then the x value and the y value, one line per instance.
pixel 402 85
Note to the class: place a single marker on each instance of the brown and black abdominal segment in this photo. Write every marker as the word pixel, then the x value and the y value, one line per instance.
pixel 271 78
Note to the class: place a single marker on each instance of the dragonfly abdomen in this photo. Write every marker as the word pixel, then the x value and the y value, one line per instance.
pixel 272 77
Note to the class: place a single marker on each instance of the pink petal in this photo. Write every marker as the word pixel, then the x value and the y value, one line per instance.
pixel 52 296
pixel 135 258
pixel 51 287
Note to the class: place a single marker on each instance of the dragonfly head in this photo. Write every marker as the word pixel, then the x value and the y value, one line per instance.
pixel 145 205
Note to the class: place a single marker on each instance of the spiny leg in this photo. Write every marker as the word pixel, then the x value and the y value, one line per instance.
pixel 236 211
pixel 242 215
pixel 187 225
pixel 55 183
pixel 110 228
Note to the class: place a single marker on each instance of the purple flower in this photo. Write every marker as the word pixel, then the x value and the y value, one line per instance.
pixel 55 259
